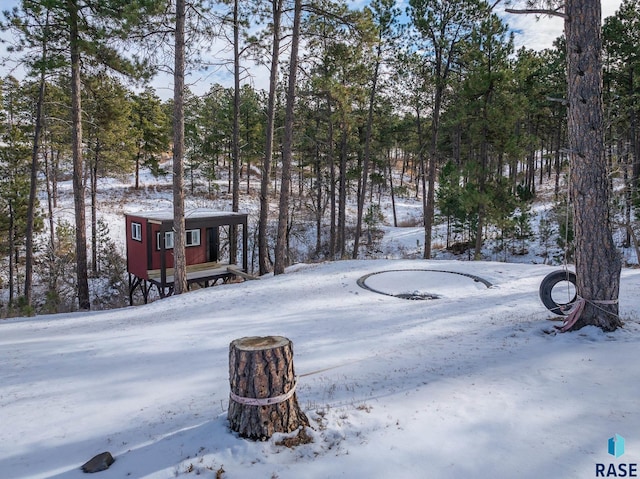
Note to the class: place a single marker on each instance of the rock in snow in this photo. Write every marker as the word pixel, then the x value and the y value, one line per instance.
pixel 98 463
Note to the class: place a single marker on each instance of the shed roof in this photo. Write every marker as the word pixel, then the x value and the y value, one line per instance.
pixel 196 213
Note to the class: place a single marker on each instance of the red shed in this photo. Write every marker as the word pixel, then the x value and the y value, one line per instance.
pixel 150 249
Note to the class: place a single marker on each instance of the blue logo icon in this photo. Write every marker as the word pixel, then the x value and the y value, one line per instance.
pixel 616 445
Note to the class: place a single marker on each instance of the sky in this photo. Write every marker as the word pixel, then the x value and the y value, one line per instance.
pixel 530 32
pixel 540 34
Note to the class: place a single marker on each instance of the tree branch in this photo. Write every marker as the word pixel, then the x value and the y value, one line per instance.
pixel 564 102
pixel 539 11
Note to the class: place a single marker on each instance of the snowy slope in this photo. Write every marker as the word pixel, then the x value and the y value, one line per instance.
pixel 467 385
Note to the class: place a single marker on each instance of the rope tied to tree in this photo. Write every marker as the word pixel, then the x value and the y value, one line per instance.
pixel 578 308
pixel 264 401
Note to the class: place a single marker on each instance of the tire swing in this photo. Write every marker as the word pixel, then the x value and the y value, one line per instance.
pixel 547 291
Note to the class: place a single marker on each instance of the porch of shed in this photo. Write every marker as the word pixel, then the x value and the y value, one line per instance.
pixel 202 274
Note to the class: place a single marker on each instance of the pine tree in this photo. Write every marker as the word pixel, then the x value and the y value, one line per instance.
pixel 287 147
pixel 442 26
pixel 384 14
pixel 621 37
pixel 150 127
pixel 83 31
pixel 179 92
pixel 15 162
pixel 109 141
pixel 598 264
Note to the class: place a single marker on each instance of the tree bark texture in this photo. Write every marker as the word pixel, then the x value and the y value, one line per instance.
pixel 78 166
pixel 367 149
pixel 179 235
pixel 429 208
pixel 332 179
pixel 235 192
pixel 33 182
pixel 597 261
pixel 262 368
pixel 281 259
pixel 263 244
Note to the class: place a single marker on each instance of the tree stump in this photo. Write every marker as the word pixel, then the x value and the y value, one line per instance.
pixel 263 399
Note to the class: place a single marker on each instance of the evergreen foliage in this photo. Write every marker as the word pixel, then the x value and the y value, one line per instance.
pixel 440 109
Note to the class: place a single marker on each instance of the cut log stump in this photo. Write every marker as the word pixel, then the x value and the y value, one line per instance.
pixel 263 399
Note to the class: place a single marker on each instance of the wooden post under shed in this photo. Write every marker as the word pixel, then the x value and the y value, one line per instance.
pixel 263 398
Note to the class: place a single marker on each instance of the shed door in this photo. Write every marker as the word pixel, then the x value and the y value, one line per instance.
pixel 213 244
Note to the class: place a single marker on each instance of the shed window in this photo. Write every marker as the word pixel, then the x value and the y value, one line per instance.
pixel 193 238
pixel 136 231
pixel 168 240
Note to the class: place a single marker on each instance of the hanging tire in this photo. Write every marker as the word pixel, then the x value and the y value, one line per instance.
pixel 546 291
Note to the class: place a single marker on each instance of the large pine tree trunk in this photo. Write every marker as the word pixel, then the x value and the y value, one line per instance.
pixel 429 204
pixel 319 191
pixel 287 148
pixel 634 137
pixel 262 379
pixel 78 166
pixel 332 178
pixel 263 244
pixel 179 236
pixel 93 178
pixel 235 192
pixel 12 264
pixel 341 239
pixel 597 261
pixel 33 182
pixel 367 149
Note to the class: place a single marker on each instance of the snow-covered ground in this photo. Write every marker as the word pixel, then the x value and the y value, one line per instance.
pixel 473 384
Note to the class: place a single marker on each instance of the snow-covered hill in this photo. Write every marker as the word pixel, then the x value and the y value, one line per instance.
pixel 473 384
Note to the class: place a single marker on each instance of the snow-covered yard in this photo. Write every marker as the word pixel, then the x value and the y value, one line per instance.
pixel 468 385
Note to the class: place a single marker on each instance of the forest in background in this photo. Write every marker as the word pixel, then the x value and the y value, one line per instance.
pixel 433 102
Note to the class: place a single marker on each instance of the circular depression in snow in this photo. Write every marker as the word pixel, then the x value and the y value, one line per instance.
pixel 422 284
